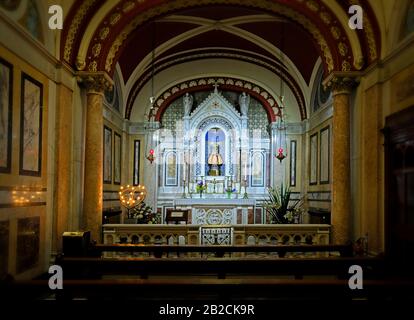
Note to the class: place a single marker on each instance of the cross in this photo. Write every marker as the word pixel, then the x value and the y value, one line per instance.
pixel 215 87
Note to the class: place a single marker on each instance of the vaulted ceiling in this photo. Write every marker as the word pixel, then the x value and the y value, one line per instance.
pixel 285 38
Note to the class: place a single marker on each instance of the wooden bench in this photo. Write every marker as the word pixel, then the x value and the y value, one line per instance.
pixel 218 266
pixel 248 290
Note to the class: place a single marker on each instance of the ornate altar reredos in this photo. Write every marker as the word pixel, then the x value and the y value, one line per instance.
pixel 225 145
pixel 218 118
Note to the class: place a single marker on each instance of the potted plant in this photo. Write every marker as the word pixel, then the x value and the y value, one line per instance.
pixel 277 206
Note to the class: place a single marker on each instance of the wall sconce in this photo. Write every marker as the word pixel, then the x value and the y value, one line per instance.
pixel 150 156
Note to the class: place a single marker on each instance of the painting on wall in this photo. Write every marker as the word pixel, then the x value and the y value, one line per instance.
pixel 293 163
pixel 107 155
pixel 28 243
pixel 257 166
pixel 137 153
pixel 171 170
pixel 313 165
pixel 117 158
pixel 324 156
pixel 6 109
pixel 31 126
pixel 4 247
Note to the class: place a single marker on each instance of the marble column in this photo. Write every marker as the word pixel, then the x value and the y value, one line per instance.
pixel 341 184
pixel 95 84
pixel 63 195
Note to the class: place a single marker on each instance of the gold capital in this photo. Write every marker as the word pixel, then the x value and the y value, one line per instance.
pixel 95 82
pixel 341 82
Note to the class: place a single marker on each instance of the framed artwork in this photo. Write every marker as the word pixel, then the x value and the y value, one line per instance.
pixel 171 169
pixel 31 127
pixel 107 155
pixel 293 163
pixel 257 165
pixel 117 157
pixel 324 156
pixel 313 165
pixel 6 112
pixel 137 154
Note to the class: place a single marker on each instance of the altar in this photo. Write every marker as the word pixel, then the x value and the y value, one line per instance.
pixel 218 211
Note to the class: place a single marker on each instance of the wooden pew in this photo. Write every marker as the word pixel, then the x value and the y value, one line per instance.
pixel 251 290
pixel 95 267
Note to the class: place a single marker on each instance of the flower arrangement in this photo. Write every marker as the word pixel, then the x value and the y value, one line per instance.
pixel 277 206
pixel 229 190
pixel 200 187
pixel 144 214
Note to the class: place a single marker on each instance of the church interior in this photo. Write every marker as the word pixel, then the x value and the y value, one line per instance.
pixel 221 147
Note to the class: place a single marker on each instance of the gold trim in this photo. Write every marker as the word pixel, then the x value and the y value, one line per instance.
pixel 270 6
pixel 95 82
pixel 74 27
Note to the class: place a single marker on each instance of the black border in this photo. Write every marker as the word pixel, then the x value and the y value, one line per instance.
pixel 312 183
pixel 22 171
pixel 320 156
pixel 116 134
pixel 104 153
pixel 7 168
pixel 136 163
pixel 293 156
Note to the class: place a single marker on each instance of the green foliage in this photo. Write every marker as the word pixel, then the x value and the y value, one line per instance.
pixel 277 206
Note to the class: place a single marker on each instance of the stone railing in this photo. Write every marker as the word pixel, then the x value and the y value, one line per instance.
pixel 251 234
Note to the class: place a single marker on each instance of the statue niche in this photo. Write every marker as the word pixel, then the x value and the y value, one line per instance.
pixel 215 152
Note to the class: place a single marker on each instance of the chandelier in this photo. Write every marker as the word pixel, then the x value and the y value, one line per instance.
pixel 281 133
pixel 281 129
pixel 150 157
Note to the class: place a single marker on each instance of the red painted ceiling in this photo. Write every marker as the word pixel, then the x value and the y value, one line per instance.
pixel 296 43
pixel 291 39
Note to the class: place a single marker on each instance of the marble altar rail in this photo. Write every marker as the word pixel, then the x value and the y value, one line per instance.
pixel 258 234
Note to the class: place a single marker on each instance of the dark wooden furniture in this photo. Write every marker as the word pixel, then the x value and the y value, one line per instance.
pixel 176 216
pixel 399 189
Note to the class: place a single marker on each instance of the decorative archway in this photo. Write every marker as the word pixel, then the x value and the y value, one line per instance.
pixel 269 102
pixel 110 34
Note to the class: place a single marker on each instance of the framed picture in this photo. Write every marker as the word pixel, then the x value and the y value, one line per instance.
pixel 31 127
pixel 6 112
pixel 313 165
pixel 107 155
pixel 117 157
pixel 136 164
pixel 324 156
pixel 257 169
pixel 292 163
pixel 170 169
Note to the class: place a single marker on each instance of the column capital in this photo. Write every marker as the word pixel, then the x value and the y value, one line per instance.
pixel 95 82
pixel 341 82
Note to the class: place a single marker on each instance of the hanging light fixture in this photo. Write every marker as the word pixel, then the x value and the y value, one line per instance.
pixel 281 146
pixel 150 157
pixel 281 133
